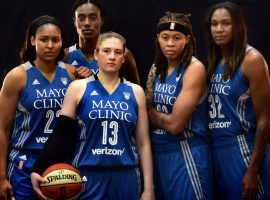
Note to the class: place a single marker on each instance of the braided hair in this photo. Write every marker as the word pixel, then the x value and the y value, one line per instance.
pixel 160 60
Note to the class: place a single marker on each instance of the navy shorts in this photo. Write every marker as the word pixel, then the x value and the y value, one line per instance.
pixel 109 184
pixel 185 174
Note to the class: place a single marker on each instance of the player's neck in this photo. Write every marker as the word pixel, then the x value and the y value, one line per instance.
pixel 109 81
pixel 87 46
pixel 172 64
pixel 46 68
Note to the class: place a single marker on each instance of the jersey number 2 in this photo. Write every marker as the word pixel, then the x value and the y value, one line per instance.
pixel 50 116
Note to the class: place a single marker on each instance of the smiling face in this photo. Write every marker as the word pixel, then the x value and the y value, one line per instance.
pixel 172 43
pixel 110 55
pixel 88 21
pixel 221 27
pixel 47 42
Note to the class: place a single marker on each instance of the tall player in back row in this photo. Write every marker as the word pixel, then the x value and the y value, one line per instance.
pixel 31 98
pixel 88 17
pixel 238 98
pixel 176 90
pixel 114 136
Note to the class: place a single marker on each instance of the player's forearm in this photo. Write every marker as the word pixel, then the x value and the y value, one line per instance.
pixel 3 155
pixel 149 89
pixel 260 142
pixel 166 121
pixel 147 166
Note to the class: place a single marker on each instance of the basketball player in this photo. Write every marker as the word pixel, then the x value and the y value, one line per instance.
pixel 88 19
pixel 238 97
pixel 182 159
pixel 110 111
pixel 31 98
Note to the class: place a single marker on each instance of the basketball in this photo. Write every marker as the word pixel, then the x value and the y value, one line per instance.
pixel 63 181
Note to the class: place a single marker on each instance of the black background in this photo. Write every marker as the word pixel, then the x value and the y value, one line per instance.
pixel 134 19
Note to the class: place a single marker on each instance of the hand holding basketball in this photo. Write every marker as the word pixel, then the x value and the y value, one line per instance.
pixel 36 179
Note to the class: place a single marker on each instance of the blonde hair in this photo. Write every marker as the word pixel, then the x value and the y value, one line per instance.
pixel 110 34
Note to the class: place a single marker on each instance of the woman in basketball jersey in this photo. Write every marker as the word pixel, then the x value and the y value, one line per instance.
pixel 31 98
pixel 88 17
pixel 176 95
pixel 238 98
pixel 114 130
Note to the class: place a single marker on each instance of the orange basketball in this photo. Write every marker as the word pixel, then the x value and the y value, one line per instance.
pixel 63 181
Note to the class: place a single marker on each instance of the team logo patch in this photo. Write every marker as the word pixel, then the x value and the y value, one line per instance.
pixel 178 78
pixel 35 82
pixel 126 95
pixel 64 80
pixel 172 25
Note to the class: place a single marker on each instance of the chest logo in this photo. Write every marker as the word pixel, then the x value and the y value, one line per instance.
pixel 178 78
pixel 64 80
pixel 126 95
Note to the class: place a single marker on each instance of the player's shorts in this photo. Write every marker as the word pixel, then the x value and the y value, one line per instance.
pixel 110 184
pixel 185 174
pixel 230 165
pixel 19 174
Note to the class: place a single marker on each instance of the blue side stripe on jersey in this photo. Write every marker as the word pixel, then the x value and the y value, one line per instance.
pixel 192 171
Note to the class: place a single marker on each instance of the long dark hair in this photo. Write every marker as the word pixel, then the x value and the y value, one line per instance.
pixel 28 51
pixel 97 3
pixel 237 45
pixel 190 48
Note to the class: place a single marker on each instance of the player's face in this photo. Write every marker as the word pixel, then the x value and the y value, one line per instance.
pixel 110 55
pixel 221 27
pixel 88 21
pixel 172 43
pixel 48 42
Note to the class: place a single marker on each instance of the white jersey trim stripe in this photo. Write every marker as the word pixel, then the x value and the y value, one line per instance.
pixel 25 125
pixel 72 48
pixel 62 65
pixel 12 155
pixel 82 137
pixel 241 108
pixel 27 65
pixel 192 171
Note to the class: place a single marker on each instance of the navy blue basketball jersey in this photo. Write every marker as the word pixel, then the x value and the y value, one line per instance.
pixel 77 59
pixel 38 108
pixel 230 106
pixel 107 122
pixel 163 99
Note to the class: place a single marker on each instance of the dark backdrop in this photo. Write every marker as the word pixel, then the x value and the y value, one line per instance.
pixel 135 19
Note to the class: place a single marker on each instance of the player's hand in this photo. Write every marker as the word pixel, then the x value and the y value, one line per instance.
pixel 6 191
pixel 148 195
pixel 36 179
pixel 82 72
pixel 153 117
pixel 250 185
